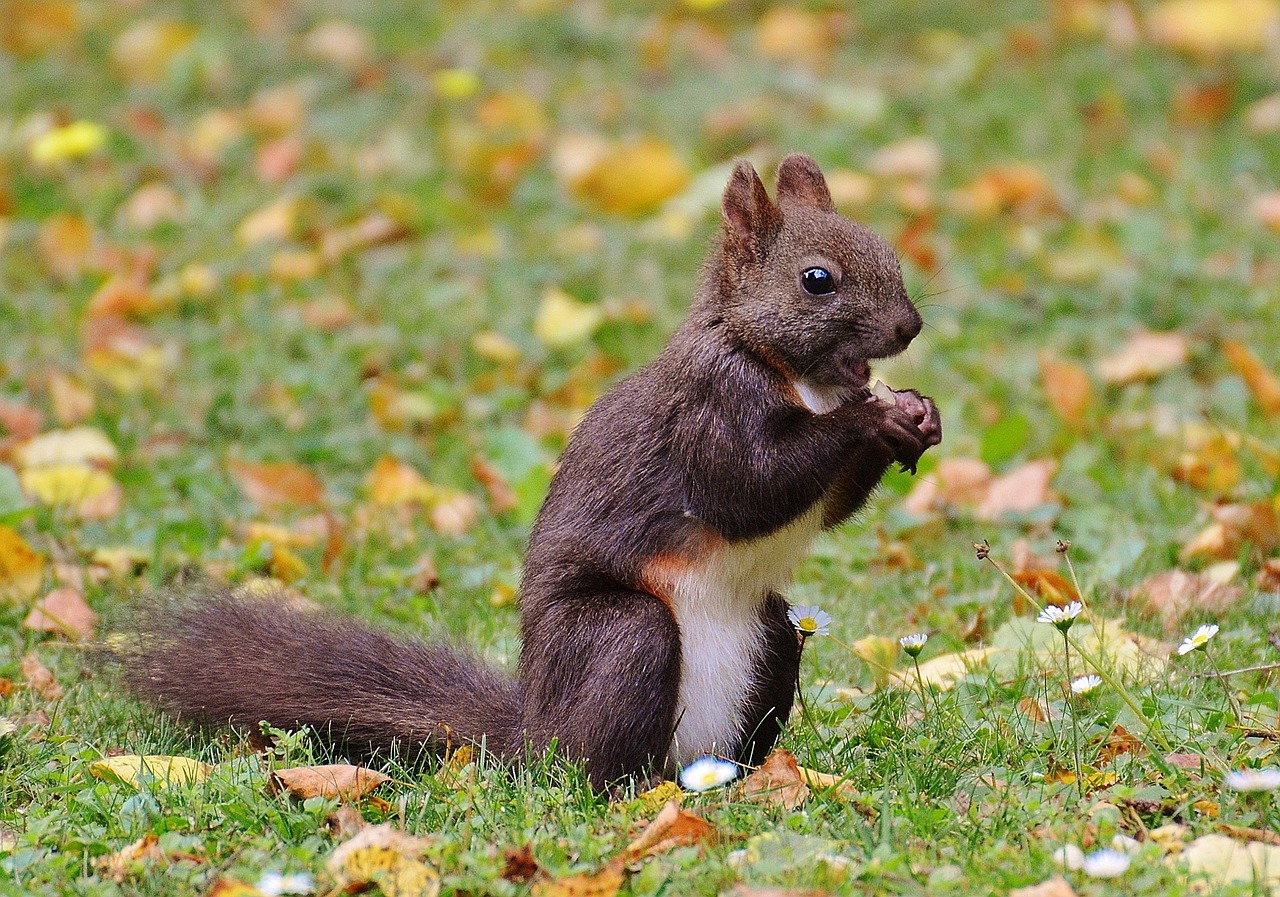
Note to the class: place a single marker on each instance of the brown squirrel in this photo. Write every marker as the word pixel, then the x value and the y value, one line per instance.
pixel 654 631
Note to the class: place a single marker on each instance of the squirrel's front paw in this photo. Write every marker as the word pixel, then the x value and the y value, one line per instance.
pixel 912 425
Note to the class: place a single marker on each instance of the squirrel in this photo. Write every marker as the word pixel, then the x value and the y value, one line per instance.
pixel 654 631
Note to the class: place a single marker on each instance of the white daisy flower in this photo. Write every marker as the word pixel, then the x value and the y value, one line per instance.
pixel 1061 617
pixel 1106 863
pixel 1082 685
pixel 1267 779
pixel 914 644
pixel 707 772
pixel 809 619
pixel 277 883
pixel 1198 639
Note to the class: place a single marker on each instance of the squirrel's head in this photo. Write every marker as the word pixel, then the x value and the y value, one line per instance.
pixel 804 286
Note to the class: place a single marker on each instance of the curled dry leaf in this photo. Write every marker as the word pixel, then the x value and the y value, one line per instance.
pixel 337 780
pixel 502 497
pixel 121 865
pixel 1173 594
pixel 384 856
pixel 519 865
pixel 605 883
pixel 1256 524
pixel 1146 356
pixel 63 611
pixel 151 769
pixel 276 485
pixel 39 678
pixel 1018 188
pixel 778 782
pixel 670 829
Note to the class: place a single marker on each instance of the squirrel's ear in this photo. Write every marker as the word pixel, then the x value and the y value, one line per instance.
pixel 800 181
pixel 750 218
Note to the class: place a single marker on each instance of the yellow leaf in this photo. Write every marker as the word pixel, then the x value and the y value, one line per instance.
pixel 152 769
pixel 656 798
pixel 65 245
pixel 21 568
pixel 393 482
pixel 455 84
pixel 1213 27
pixel 274 222
pixel 563 321
pixel 880 654
pixel 493 346
pixel 85 491
pixel 634 178
pixel 384 856
pixel 78 445
pixel 605 883
pixel 945 670
pixel 787 34
pixel 230 887
pixel 1223 861
pixel 73 141
pixel 32 27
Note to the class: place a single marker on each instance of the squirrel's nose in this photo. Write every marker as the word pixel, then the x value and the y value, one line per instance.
pixel 908 330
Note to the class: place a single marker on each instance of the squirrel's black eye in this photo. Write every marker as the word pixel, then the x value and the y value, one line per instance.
pixel 817 282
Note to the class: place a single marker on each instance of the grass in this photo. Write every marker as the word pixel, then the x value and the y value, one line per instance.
pixel 955 799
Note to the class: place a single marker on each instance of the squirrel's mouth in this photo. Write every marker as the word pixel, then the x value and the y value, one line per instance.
pixel 854 371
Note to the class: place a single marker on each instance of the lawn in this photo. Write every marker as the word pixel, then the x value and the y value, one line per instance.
pixel 306 294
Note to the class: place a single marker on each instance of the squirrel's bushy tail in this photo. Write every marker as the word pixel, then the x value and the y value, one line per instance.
pixel 217 658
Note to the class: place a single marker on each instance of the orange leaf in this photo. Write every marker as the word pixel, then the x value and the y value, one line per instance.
pixel 1068 387
pixel 21 568
pixel 671 828
pixel 64 611
pixel 1264 384
pixel 274 485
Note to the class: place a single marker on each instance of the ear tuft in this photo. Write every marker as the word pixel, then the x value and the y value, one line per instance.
pixel 800 181
pixel 750 217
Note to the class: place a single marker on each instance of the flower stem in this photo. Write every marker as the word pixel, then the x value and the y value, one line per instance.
pixel 1226 688
pixel 1075 723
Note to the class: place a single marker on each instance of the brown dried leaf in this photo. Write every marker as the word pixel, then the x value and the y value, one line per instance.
pixel 502 497
pixel 1269 576
pixel 1173 594
pixel 777 782
pixel 1018 188
pixel 519 865
pixel 120 865
pixel 1145 356
pixel 39 678
pixel 19 420
pixel 670 829
pixel 1120 741
pixel 605 883
pixel 63 611
pixel 339 780
pixel 387 857
pixel 275 485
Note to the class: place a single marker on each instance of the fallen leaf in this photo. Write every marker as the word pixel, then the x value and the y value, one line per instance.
pixel 275 485
pixel 19 420
pixel 1212 27
pixel 454 513
pixel 144 51
pixel 65 243
pixel 273 223
pixel 1120 741
pixel 1053 887
pixel 21 567
pixel 71 141
pixel 634 177
pixel 1018 188
pixel 393 482
pixel 127 860
pixel 39 678
pixel 1022 489
pixel 336 780
pixel 78 445
pixel 502 498
pixel 343 44
pixel 519 865
pixel 1269 576
pixel 1264 384
pixel 670 829
pixel 777 782
pixel 917 158
pixel 1173 594
pixel 945 670
pixel 605 883
pixel 72 400
pixel 63 611
pixel 1146 356
pixel 151 769
pixel 34 27
pixel 233 887
pixel 563 321
pixel 84 491
pixel 384 856
pixel 1222 861
pixel 791 35
pixel 880 654
pixel 1068 388
pixel 1256 524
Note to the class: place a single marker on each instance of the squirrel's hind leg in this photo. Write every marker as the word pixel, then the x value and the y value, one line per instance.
pixel 601 676
pixel 777 675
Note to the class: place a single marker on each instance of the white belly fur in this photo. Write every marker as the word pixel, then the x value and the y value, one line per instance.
pixel 716 604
